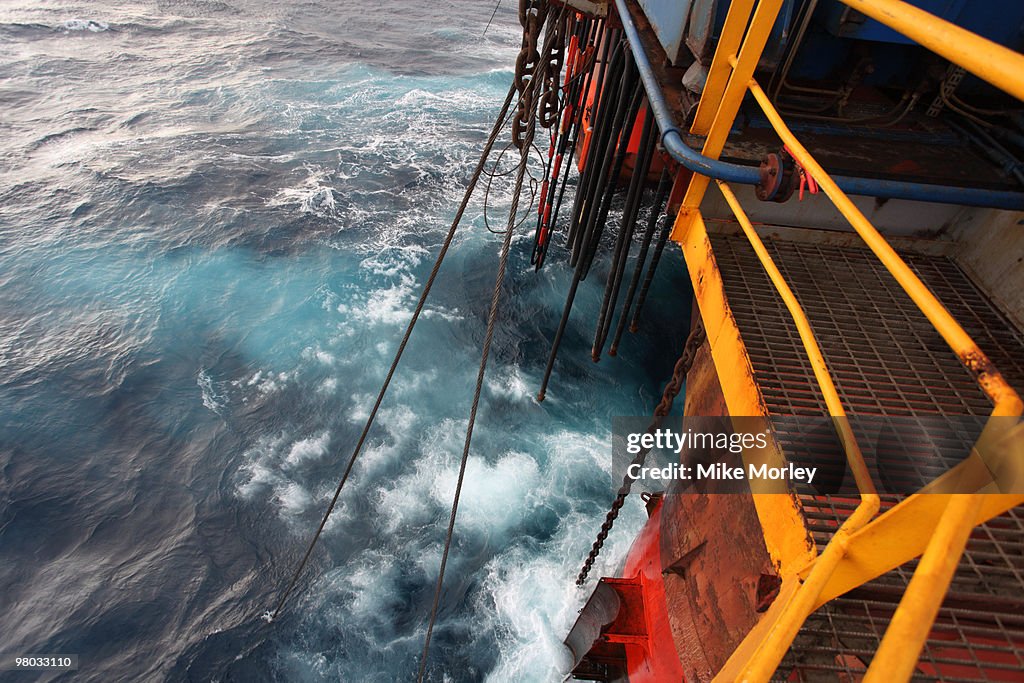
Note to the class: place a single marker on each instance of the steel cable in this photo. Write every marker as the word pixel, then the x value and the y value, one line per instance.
pixel 492 316
pixel 642 162
pixel 598 222
pixel 499 124
pixel 600 115
pixel 603 160
pixel 666 228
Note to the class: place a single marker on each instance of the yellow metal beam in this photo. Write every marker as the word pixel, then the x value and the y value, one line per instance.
pixel 728 105
pixel 898 536
pixel 785 534
pixel 989 61
pixel 901 646
pixel 901 534
pixel 718 75
pixel 803 326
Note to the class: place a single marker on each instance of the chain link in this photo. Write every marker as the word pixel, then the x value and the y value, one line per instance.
pixel 672 389
pixel 550 106
pixel 532 14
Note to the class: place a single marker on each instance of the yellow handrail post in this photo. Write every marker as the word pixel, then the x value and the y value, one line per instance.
pixel 766 657
pixel 773 648
pixel 904 639
pixel 814 355
pixel 718 75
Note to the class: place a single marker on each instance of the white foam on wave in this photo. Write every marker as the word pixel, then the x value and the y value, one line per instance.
pixel 527 597
pixel 497 493
pixel 390 305
pixel 394 261
pixel 305 450
pixel 272 470
pixel 495 497
pixel 293 498
pixel 319 355
pixel 416 97
pixel 450 316
pixel 510 383
pixel 399 424
pixel 321 202
pixel 315 195
pixel 447 102
pixel 374 584
pixel 391 302
pixel 367 591
pixel 258 471
pixel 211 400
pixel 265 382
pixel 402 497
pixel 528 600
pixel 361 404
pixel 415 381
pixel 86 25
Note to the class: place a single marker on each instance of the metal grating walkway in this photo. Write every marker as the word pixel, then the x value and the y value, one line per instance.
pixel 886 359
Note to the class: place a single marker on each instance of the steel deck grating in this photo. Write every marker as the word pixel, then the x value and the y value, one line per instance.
pixel 886 359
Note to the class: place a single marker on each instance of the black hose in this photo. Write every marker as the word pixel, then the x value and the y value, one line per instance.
pixel 625 238
pixel 601 113
pixel 666 228
pixel 660 195
pixel 611 166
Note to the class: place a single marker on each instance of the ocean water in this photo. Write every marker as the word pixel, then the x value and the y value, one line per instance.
pixel 215 218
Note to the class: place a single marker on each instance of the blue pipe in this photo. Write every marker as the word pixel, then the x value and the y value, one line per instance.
pixel 938 194
pixel 673 143
pixel 671 137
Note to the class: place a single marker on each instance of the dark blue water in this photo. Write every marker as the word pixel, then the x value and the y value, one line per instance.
pixel 214 220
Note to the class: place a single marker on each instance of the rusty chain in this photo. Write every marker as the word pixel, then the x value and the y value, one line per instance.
pixel 532 15
pixel 682 368
pixel 550 105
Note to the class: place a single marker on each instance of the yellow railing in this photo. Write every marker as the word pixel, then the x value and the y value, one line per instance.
pixel 935 526
pixel 803 602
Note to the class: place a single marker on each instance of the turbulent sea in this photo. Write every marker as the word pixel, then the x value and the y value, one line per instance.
pixel 215 218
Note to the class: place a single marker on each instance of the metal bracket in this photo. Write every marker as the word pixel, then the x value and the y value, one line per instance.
pixel 596 9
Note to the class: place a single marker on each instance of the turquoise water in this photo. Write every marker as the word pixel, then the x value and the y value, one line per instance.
pixel 215 219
